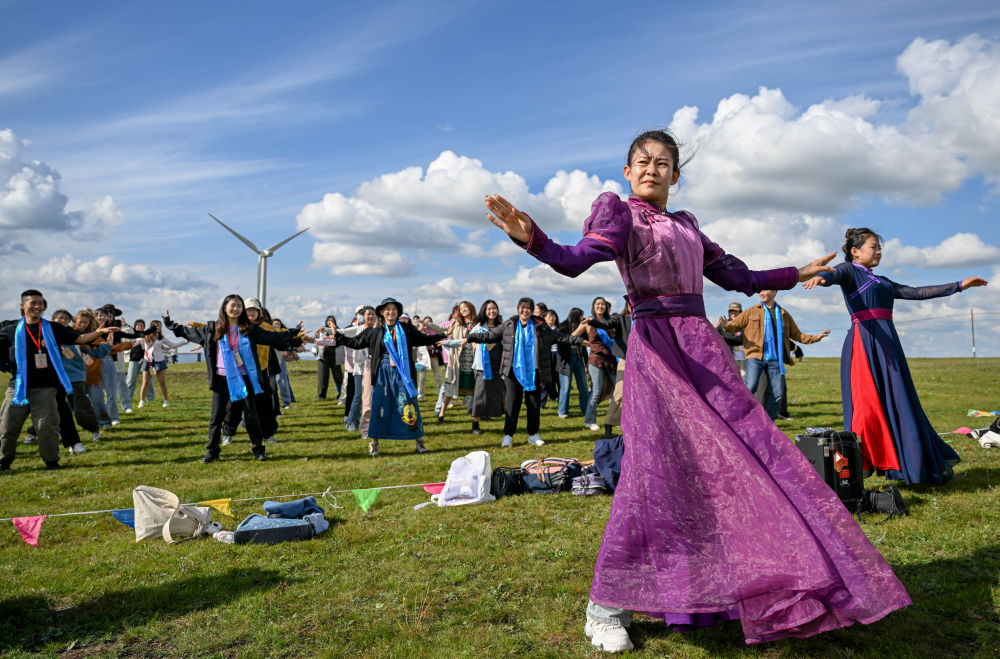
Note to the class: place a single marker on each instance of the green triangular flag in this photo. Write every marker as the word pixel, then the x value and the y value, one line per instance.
pixel 365 498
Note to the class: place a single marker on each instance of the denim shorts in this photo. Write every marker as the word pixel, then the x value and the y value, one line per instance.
pixel 159 365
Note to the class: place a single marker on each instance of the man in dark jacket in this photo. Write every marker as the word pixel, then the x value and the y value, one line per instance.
pixel 526 365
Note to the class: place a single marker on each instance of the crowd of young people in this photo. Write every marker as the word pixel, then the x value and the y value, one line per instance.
pixel 779 552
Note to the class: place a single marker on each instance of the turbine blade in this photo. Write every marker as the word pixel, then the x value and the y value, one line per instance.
pixel 277 245
pixel 230 230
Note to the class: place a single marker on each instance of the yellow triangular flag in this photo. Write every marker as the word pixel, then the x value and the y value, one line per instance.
pixel 222 505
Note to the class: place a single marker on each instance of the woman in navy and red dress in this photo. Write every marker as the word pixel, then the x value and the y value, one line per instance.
pixel 880 401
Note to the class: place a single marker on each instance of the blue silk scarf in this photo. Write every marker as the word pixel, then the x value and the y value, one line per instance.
pixel 485 356
pixel 774 349
pixel 524 354
pixel 238 388
pixel 21 357
pixel 400 357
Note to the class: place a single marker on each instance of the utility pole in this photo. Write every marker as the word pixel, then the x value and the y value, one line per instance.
pixel 972 321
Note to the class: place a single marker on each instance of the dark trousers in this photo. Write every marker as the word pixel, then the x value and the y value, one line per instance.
pixel 323 371
pixel 349 395
pixel 512 405
pixel 67 427
pixel 227 413
pixel 78 404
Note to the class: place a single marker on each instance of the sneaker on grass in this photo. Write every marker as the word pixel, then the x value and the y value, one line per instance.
pixel 508 441
pixel 535 440
pixel 610 638
pixel 95 436
pixel 78 448
pixel 166 403
pixel 227 440
pixel 142 403
pixel 30 439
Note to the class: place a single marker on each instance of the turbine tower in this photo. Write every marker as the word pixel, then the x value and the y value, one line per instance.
pixel 262 256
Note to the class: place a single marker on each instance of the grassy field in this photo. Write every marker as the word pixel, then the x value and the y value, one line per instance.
pixel 505 579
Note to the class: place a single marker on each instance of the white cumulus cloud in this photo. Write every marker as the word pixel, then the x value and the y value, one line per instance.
pixel 344 259
pixel 959 89
pixel 962 249
pixel 29 191
pixel 417 207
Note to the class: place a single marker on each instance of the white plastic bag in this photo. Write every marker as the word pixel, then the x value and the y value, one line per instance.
pixel 468 481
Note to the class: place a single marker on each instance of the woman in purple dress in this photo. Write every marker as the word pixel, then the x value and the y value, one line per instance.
pixel 717 516
pixel 880 401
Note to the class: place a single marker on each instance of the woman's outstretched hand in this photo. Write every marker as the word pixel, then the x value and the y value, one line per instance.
pixel 819 265
pixel 971 282
pixel 514 223
pixel 812 283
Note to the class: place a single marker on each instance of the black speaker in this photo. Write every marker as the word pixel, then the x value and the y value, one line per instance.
pixel 836 456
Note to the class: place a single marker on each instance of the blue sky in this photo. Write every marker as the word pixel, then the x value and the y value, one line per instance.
pixel 381 127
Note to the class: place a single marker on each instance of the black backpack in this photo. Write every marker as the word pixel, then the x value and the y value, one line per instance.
pixel 506 481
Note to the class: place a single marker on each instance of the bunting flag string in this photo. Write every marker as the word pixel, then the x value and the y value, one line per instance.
pixel 30 527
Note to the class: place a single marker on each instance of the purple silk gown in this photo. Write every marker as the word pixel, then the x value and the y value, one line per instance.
pixel 717 514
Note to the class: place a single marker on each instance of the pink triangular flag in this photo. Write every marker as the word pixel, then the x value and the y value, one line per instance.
pixel 433 488
pixel 961 431
pixel 29 528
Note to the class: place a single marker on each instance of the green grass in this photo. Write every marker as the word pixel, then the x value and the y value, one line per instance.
pixel 505 579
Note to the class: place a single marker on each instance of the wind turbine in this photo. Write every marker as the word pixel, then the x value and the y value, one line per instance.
pixel 262 256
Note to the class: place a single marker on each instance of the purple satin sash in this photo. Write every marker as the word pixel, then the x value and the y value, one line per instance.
pixel 668 305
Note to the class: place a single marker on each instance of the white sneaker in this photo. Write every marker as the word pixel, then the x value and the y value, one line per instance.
pixel 507 442
pixel 610 638
pixel 535 440
pixel 116 422
pixel 279 416
pixel 96 436
pixel 30 439
pixel 594 426
pixel 128 410
pixel 271 440
pixel 142 403
pixel 227 440
pixel 563 416
pixel 990 440
pixel 78 448
pixel 166 403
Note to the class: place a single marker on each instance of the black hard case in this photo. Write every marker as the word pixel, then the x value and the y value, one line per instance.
pixel 836 456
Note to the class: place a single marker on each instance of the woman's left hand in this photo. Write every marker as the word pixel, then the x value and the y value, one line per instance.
pixel 812 283
pixel 819 265
pixel 971 282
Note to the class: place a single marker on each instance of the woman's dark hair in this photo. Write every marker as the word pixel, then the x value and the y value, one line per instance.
pixel 553 312
pixel 856 237
pixel 328 319
pixel 481 317
pixel 544 307
pixel 62 311
pixel 222 324
pixel 159 328
pixel 136 323
pixel 663 137
pixel 573 319
pixel 265 315
pixel 278 321
pixel 607 309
